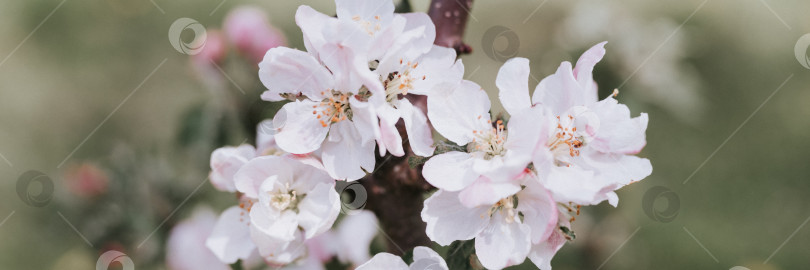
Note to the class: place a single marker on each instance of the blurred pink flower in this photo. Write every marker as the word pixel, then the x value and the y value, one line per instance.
pixel 86 180
pixel 250 31
pixel 214 50
pixel 186 248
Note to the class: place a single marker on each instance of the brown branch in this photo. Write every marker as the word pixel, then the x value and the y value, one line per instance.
pixel 450 18
pixel 395 190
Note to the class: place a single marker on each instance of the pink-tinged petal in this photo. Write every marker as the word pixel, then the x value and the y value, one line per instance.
pixel 312 24
pixel 616 168
pixel 439 65
pixel 425 258
pixel 290 71
pixel 448 220
pixel 559 91
pixel 528 130
pixel 248 28
pixel 272 224
pixel 343 54
pixel 365 118
pixel 185 248
pixel 230 239
pixel 485 192
pixel 225 162
pixel 265 141
pixel 384 261
pixel 345 155
pixel 451 171
pixel 374 12
pixel 513 83
pixel 542 253
pixel 502 243
pixel 355 234
pixel 539 210
pixel 573 184
pixel 278 253
pixel 420 136
pixel 617 132
pixel 390 139
pixel 387 39
pixel 456 110
pixel 584 70
pixel 413 38
pixel 318 210
pixel 253 174
pixel 301 132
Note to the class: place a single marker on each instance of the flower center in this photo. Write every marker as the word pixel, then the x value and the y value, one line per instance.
pixel 334 108
pixel 507 208
pixel 491 141
pixel 284 198
pixel 566 141
pixel 397 84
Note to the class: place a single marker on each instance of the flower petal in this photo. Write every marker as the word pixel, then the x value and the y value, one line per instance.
pixel 513 83
pixel 230 240
pixel 345 155
pixel 502 243
pixel 451 171
pixel 539 210
pixel 253 174
pixel 318 210
pixel 225 162
pixel 384 260
pixel 420 136
pixel 559 91
pixel 301 132
pixel 584 70
pixel 448 220
pixel 485 192
pixel 425 258
pixel 456 110
pixel 542 253
pixel 290 71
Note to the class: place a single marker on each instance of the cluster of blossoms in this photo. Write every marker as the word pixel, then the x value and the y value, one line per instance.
pixel 514 184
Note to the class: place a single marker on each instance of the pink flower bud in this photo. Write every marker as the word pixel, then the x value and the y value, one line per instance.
pixel 214 50
pixel 86 180
pixel 250 31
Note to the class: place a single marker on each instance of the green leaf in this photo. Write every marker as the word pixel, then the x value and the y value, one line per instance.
pixel 404 6
pixel 459 255
pixel 237 265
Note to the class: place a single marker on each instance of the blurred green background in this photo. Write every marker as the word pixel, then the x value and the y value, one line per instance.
pixel 703 71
